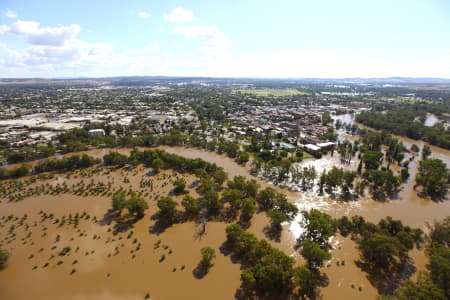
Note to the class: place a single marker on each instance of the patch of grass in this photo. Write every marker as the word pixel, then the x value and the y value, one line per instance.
pixel 306 155
pixel 272 92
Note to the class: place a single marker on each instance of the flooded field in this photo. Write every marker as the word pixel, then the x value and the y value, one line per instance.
pixel 104 265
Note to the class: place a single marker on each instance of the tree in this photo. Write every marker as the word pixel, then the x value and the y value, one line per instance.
pixel 347 181
pixel 212 203
pixel 382 251
pixel 4 256
pixel 426 152
pixel 273 272
pixel 243 157
pixel 248 281
pixel 248 207
pixel 276 218
pixel 208 254
pixel 433 176
pixel 157 164
pixel 266 198
pixel 306 280
pixel 326 118
pixel 423 289
pixel 314 254
pixel 441 232
pixel 180 186
pixel 220 176
pixel 234 197
pixel 136 205
pixel 191 206
pixel 119 201
pixel 167 210
pixel 319 226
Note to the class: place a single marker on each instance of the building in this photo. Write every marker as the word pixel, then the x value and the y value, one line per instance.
pixel 96 132
pixel 310 148
pixel 288 147
pixel 326 146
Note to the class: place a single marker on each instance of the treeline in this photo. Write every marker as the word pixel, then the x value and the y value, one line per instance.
pixel 12 173
pixel 403 122
pixel 69 163
pixel 159 159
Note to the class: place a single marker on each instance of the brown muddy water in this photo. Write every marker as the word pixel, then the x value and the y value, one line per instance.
pixel 117 267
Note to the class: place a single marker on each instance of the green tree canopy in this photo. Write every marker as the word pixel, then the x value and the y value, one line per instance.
pixel 319 226
pixel 167 210
pixel 433 176
pixel 314 254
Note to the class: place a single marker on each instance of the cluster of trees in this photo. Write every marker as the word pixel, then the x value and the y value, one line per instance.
pixel 404 122
pixel 28 153
pixel 319 227
pixel 382 182
pixel 384 246
pixel 69 163
pixel 304 176
pixel 334 178
pixel 135 204
pixel 435 282
pixel 265 269
pixel 277 208
pixel 268 271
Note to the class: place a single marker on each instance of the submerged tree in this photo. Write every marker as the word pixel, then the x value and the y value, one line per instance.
pixel 424 288
pixel 136 205
pixel 433 177
pixel 167 210
pixel 4 256
pixel 314 254
pixel 208 254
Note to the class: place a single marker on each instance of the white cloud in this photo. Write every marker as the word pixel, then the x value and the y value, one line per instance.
pixel 144 14
pixel 37 35
pixel 179 15
pixel 11 14
pixel 59 52
pixel 216 41
pixel 3 29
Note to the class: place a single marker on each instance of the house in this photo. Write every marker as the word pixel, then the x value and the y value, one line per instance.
pixel 326 146
pixel 96 132
pixel 288 147
pixel 310 148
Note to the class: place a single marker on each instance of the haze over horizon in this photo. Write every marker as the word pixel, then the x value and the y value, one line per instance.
pixel 286 39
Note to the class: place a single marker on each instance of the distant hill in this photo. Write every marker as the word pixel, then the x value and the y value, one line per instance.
pixel 156 80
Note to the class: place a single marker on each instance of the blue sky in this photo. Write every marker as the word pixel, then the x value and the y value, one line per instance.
pixel 246 38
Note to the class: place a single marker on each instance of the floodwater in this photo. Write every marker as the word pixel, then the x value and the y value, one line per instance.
pixel 100 273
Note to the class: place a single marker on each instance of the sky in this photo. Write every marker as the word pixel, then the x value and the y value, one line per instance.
pixel 233 38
